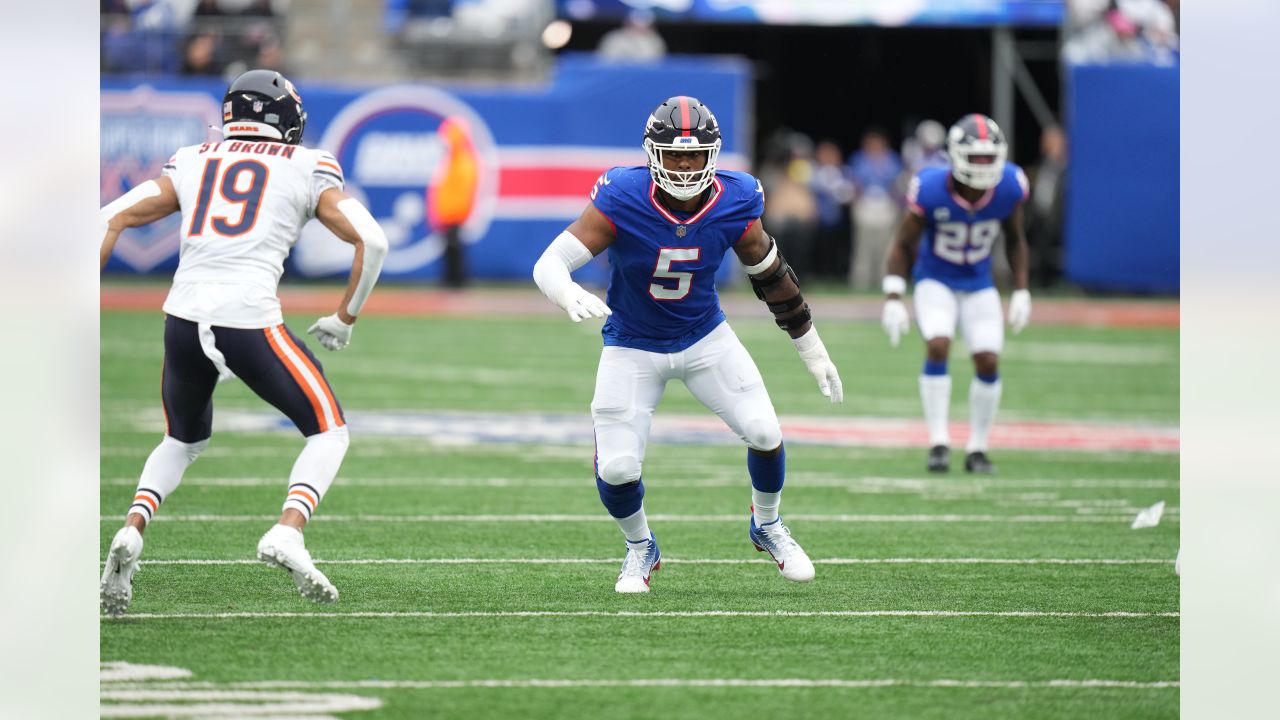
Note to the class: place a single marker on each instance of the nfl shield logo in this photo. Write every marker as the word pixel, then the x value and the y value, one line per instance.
pixel 680 230
pixel 257 106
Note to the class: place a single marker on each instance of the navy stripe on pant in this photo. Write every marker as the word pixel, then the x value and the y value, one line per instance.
pixel 190 377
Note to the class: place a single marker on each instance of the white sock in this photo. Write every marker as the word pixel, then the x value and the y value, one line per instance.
pixel 935 395
pixel 984 401
pixel 635 526
pixel 766 505
pixel 162 473
pixel 314 470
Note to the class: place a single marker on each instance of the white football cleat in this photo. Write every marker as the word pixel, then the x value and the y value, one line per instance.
pixel 641 562
pixel 282 547
pixel 775 539
pixel 116 589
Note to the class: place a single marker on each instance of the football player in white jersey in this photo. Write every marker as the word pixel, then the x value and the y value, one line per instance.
pixel 244 201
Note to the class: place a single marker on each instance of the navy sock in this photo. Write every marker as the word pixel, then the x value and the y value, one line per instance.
pixel 621 500
pixel 935 368
pixel 767 473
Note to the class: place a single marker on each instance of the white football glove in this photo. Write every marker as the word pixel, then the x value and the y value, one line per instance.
pixel 895 320
pixel 332 333
pixel 814 355
pixel 581 304
pixel 1019 310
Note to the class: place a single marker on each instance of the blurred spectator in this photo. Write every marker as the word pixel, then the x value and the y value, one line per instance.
pixel 833 192
pixel 1143 31
pixel 791 211
pixel 925 148
pixel 453 194
pixel 141 35
pixel 874 169
pixel 635 41
pixel 1045 209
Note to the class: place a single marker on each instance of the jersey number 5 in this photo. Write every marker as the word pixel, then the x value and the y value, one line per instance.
pixel 965 244
pixel 684 280
pixel 229 186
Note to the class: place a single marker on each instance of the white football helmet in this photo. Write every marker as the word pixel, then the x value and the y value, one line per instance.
pixel 978 151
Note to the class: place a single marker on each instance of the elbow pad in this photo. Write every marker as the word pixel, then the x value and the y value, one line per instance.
pixel 564 255
pixel 785 305
pixel 137 194
pixel 375 250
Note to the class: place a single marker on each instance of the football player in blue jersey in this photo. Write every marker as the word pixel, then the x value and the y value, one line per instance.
pixel 667 228
pixel 955 215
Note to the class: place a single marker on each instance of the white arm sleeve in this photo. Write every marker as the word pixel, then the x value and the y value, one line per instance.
pixel 375 250
pixel 564 255
pixel 148 189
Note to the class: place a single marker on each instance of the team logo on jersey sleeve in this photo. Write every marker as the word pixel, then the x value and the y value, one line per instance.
pixel 420 159
pixel 140 130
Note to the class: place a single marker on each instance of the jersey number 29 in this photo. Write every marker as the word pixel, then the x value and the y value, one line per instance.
pixel 965 244
pixel 229 186
pixel 684 280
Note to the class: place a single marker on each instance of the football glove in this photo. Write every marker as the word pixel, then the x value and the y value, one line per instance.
pixel 1019 310
pixel 332 333
pixel 814 355
pixel 581 304
pixel 895 320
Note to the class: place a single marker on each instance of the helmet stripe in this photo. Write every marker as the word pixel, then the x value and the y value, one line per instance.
pixel 684 116
pixel 982 127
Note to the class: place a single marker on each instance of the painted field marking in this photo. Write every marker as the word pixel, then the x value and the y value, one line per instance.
pixel 428 614
pixel 552 683
pixel 1171 516
pixel 134 690
pixel 699 561
pixel 730 479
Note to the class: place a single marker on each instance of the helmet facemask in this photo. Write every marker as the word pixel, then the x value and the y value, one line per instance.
pixel 682 185
pixel 977 151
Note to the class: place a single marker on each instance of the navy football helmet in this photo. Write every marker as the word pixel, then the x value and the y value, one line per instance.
pixel 263 103
pixel 977 149
pixel 682 124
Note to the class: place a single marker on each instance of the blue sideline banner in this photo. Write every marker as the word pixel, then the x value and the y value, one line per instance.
pixel 1122 216
pixel 539 149
pixel 882 13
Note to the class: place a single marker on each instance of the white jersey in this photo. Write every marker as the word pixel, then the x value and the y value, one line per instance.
pixel 243 203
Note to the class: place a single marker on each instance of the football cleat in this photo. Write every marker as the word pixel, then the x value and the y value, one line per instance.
pixel 116 590
pixel 978 462
pixel 775 539
pixel 282 547
pixel 939 459
pixel 642 560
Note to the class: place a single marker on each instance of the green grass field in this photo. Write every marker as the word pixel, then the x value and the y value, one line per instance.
pixel 476 578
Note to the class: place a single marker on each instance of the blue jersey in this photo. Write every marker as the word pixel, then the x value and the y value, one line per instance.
pixel 959 236
pixel 663 263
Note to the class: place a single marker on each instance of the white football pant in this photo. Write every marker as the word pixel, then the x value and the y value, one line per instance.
pixel 629 384
pixel 981 318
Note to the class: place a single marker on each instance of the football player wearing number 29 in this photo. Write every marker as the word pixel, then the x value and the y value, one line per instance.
pixel 244 201
pixel 667 228
pixel 954 218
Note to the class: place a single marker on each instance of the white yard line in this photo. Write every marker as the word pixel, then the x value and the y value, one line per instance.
pixel 690 561
pixel 1171 515
pixel 725 478
pixel 653 614
pixel 677 682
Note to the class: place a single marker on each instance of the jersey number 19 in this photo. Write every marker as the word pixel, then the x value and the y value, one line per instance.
pixel 249 199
